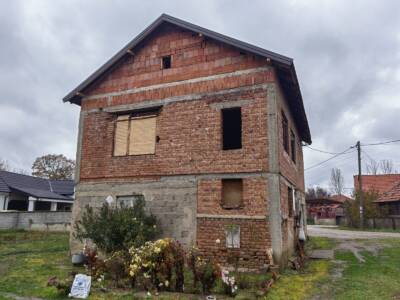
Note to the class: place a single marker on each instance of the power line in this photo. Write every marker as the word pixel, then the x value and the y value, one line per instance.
pixel 334 156
pixel 381 143
pixel 322 151
pixel 364 152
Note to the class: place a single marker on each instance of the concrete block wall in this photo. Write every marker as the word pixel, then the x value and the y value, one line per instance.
pixel 46 220
pixel 171 200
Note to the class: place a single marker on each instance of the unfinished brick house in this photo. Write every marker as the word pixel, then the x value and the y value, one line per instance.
pixel 208 130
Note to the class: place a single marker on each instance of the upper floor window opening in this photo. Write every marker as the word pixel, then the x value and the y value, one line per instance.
pixel 231 128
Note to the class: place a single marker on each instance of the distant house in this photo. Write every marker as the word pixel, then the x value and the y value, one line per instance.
pixel 27 193
pixel 327 210
pixel 387 187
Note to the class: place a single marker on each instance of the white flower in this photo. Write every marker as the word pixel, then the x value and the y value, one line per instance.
pixel 148 294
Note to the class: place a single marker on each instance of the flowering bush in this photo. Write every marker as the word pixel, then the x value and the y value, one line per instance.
pixel 204 270
pixel 116 267
pixel 93 264
pixel 154 263
pixel 229 283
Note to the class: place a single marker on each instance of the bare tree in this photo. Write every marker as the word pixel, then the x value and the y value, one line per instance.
pixel 387 166
pixel 337 181
pixel 53 166
pixel 372 167
pixel 4 166
pixel 316 192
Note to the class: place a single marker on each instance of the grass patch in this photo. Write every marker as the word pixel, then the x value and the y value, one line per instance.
pixel 300 285
pixel 377 278
pixel 28 259
pixel 322 243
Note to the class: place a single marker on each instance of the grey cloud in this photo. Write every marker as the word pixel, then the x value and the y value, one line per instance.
pixel 340 51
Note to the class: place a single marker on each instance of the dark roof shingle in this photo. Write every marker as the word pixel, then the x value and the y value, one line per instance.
pixel 36 187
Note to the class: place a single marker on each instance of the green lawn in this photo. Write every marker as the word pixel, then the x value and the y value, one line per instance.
pixel 28 259
pixel 377 278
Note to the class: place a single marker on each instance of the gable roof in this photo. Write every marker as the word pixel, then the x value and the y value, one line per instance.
pixel 284 65
pixel 391 195
pixel 36 187
pixel 339 199
pixel 377 183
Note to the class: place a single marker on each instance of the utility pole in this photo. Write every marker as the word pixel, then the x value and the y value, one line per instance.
pixel 360 193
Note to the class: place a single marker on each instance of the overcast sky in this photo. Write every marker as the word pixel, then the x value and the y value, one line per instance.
pixel 347 58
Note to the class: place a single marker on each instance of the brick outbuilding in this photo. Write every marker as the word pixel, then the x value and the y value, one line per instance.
pixel 208 130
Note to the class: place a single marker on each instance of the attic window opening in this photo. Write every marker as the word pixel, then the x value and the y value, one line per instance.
pixel 231 128
pixel 166 62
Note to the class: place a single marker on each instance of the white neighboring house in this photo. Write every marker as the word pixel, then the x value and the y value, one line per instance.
pixel 27 193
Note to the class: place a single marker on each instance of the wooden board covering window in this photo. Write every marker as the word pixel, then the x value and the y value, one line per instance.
pixel 290 202
pixel 142 138
pixel 232 193
pixel 121 136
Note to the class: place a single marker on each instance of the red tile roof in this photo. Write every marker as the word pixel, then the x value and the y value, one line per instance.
pixel 328 200
pixel 391 195
pixel 340 198
pixel 377 183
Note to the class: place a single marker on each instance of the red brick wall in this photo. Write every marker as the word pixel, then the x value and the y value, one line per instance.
pixel 254 241
pixel 293 171
pixel 190 142
pixel 189 131
pixel 254 234
pixel 209 196
pixel 192 56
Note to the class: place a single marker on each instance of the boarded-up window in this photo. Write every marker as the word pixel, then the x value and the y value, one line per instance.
pixel 232 236
pixel 290 201
pixel 142 139
pixel 135 135
pixel 232 193
pixel 121 136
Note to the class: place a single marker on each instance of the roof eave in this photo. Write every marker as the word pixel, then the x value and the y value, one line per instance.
pixel 75 97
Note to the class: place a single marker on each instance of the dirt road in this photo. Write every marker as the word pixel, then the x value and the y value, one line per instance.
pixel 334 233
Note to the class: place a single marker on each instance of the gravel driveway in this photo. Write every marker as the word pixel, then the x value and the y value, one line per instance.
pixel 333 232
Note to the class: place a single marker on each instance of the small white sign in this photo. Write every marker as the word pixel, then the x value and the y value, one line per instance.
pixel 109 200
pixel 81 286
